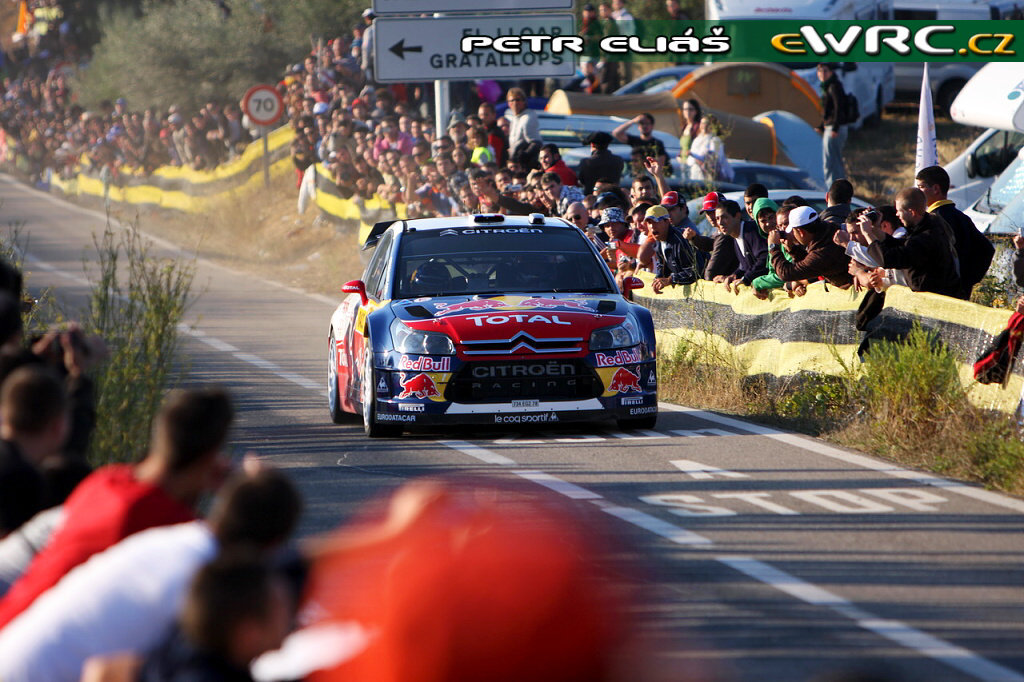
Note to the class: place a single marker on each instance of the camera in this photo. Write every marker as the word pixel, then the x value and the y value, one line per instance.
pixel 871 214
pixel 514 188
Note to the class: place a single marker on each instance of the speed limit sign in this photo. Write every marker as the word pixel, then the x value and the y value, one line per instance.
pixel 263 105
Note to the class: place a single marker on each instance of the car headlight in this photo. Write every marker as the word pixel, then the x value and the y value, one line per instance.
pixel 619 336
pixel 409 340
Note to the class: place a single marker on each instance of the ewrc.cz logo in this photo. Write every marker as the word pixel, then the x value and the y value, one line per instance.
pixel 894 38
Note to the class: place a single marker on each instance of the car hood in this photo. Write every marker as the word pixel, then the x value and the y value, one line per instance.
pixel 514 324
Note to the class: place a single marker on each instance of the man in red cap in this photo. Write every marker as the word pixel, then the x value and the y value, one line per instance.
pixel 723 259
pixel 678 212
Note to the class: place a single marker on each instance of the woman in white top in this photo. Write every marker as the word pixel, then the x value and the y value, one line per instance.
pixel 706 161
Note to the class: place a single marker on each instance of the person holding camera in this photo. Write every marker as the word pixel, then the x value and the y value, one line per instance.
pixel 814 256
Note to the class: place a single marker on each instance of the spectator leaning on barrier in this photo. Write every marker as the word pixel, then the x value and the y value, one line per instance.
pixel 185 460
pixel 770 218
pixel 750 247
pixel 722 261
pixel 927 254
pixel 679 262
pixel 818 256
pixel 866 271
pixel 974 250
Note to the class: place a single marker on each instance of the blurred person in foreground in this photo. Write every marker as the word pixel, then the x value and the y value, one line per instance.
pixel 421 578
pixel 185 460
pixel 124 599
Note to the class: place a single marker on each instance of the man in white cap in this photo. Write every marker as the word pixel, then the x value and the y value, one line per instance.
pixel 367 49
pixel 817 257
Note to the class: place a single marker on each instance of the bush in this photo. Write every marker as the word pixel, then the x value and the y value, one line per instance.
pixel 136 305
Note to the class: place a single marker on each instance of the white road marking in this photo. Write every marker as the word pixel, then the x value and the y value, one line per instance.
pixel 911 638
pixel 653 524
pixel 570 490
pixel 859 460
pixel 478 452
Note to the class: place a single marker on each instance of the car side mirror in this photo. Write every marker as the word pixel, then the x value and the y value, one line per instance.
pixel 971 165
pixel 356 286
pixel 632 283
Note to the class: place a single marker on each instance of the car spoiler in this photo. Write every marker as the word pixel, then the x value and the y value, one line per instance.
pixel 375 232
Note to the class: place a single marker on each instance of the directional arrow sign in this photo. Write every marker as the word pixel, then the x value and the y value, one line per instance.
pixel 430 48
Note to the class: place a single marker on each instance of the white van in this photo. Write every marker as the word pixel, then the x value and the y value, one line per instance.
pixel 872 83
pixel 993 99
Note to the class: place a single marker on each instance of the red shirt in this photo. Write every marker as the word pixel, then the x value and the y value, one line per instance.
pixel 568 176
pixel 106 507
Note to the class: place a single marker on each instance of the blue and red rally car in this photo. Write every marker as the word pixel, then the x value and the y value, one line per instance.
pixel 488 319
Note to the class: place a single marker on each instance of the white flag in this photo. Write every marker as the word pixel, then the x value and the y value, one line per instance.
pixel 927 155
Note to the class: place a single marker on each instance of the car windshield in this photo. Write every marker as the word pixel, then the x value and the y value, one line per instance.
pixel 1008 185
pixel 467 261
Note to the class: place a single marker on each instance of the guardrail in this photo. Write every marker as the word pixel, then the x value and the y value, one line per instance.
pixel 785 336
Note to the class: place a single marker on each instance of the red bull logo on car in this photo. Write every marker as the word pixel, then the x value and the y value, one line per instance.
pixel 421 386
pixel 629 356
pixel 624 381
pixel 424 364
pixel 471 306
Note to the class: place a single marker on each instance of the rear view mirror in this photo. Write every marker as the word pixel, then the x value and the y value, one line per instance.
pixel 632 283
pixel 356 286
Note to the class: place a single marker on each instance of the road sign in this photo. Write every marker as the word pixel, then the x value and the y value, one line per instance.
pixel 419 6
pixel 263 105
pixel 430 48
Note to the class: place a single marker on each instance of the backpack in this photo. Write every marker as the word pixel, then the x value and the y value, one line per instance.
pixel 849 111
pixel 997 360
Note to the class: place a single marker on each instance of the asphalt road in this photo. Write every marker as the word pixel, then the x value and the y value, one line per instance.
pixel 765 555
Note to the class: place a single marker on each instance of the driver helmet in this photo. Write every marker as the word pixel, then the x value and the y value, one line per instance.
pixel 430 276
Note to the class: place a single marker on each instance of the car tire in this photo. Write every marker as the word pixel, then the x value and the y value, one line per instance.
pixel 333 390
pixel 648 422
pixel 369 399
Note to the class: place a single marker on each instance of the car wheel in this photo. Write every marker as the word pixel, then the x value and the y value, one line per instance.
pixel 369 400
pixel 647 422
pixel 333 391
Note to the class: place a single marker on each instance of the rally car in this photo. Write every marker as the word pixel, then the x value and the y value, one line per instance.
pixel 485 320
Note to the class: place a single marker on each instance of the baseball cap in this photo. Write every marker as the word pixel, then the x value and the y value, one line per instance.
pixel 368 12
pixel 761 204
pixel 656 213
pixel 801 216
pixel 607 199
pixel 611 215
pixel 320 108
pixel 711 201
pixel 670 199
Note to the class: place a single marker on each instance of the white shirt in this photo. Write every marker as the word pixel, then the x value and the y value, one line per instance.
pixel 123 599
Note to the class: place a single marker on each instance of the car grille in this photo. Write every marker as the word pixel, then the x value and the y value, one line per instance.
pixel 483 382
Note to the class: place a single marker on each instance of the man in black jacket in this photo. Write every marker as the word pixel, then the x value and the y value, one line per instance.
pixel 678 261
pixel 749 244
pixel 833 99
pixel 973 249
pixel 601 163
pixel 927 253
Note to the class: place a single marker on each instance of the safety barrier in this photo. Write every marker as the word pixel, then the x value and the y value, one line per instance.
pixel 180 188
pixel 815 333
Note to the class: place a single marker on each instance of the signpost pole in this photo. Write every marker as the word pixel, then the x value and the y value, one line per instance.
pixel 266 159
pixel 442 99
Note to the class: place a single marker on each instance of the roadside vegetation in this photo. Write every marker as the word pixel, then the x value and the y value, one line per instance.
pixel 136 302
